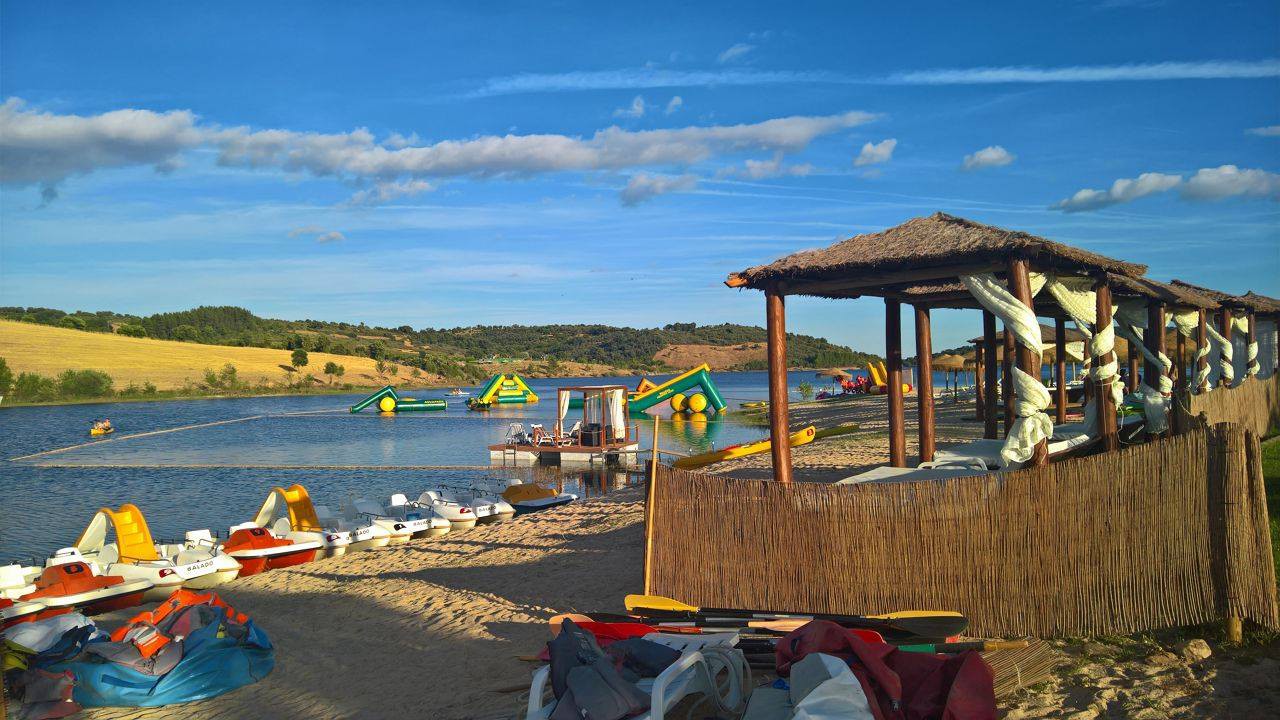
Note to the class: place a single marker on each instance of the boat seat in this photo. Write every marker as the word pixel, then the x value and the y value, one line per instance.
pixel 281 527
pixel 399 500
pixel 203 536
pixel 107 555
pixel 14 581
pixel 243 526
pixel 368 507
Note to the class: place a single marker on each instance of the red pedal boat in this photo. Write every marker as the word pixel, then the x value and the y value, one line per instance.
pixel 77 584
pixel 258 549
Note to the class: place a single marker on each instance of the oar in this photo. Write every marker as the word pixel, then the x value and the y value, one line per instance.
pixel 955 647
pixel 926 623
pixel 628 623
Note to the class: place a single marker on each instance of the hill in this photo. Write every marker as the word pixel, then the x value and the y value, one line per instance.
pixel 458 354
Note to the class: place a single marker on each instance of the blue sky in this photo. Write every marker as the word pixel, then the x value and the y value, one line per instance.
pixel 573 162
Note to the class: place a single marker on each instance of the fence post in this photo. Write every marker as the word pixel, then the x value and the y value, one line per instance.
pixel 1226 454
pixel 648 510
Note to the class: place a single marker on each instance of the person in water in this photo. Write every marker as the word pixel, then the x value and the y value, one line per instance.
pixel 103 424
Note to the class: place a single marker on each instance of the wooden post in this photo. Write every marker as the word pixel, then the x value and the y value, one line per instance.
pixel 776 328
pixel 1153 338
pixel 893 364
pixel 924 388
pixel 648 509
pixel 1251 337
pixel 1224 326
pixel 1182 390
pixel 1028 360
pixel 1102 390
pixel 1202 342
pixel 991 401
pixel 1060 350
pixel 1006 384
pixel 979 390
pixel 653 470
pixel 1131 383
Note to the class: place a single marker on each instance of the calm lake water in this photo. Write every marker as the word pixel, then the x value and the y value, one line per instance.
pixel 183 480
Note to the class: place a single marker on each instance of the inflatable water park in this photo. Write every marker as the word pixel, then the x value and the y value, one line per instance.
pixel 690 392
pixel 387 400
pixel 503 389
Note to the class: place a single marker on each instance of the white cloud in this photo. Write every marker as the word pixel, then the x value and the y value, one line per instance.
pixel 734 52
pixel 1207 70
pixel 761 169
pixel 992 156
pixel 1229 181
pixel 40 148
pixel 634 110
pixel 317 233
pixel 873 154
pixel 674 104
pixel 1268 131
pixel 43 148
pixel 385 192
pixel 1122 191
pixel 1206 184
pixel 643 186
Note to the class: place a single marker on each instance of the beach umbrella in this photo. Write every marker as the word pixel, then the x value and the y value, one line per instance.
pixel 836 373
pixel 948 362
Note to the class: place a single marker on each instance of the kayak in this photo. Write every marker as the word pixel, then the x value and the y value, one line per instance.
pixel 801 437
pixel 101 431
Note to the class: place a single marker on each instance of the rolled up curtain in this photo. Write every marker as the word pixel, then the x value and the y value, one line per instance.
pixel 1156 398
pixel 563 400
pixel 614 401
pixel 1187 322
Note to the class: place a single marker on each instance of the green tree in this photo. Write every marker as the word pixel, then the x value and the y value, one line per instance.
pixel 72 322
pixel 131 330
pixel 342 370
pixel 299 358
pixel 32 387
pixel 186 333
pixel 6 377
pixel 806 390
pixel 84 384
pixel 331 369
pixel 380 367
pixel 376 351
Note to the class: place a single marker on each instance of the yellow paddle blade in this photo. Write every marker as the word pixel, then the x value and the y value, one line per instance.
pixel 656 602
pixel 901 614
pixel 558 620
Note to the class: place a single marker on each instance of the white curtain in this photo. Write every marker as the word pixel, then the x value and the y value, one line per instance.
pixel 563 399
pixel 614 402
pixel 1131 316
pixel 1267 354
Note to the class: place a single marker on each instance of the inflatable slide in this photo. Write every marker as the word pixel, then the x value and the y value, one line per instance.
pixel 388 401
pixel 503 389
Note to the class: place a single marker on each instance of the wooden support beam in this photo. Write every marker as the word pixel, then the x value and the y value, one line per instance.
pixel 924 388
pixel 1202 342
pixel 1131 382
pixel 893 364
pixel 991 401
pixel 1102 390
pixel 1182 388
pixel 979 387
pixel 1225 327
pixel 1060 354
pixel 776 328
pixel 1153 338
pixel 1251 337
pixel 1028 360
pixel 1006 384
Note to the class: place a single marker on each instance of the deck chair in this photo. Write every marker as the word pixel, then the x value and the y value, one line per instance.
pixel 516 434
pixel 703 659
pixel 572 436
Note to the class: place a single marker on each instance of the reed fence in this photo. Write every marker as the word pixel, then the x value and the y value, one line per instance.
pixel 1254 403
pixel 1171 532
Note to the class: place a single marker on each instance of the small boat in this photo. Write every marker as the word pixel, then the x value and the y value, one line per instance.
pixel 427 522
pixel 257 549
pixel 800 437
pixel 134 554
pixel 531 497
pixel 16 581
pixel 403 522
pixel 13 612
pixel 78 584
pixel 460 516
pixel 458 392
pixel 489 507
pixel 98 432
pixel 365 534
pixel 290 515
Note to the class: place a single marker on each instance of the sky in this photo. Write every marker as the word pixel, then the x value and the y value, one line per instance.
pixel 440 165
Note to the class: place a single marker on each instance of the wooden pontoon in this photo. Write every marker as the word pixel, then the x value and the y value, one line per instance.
pixel 604 434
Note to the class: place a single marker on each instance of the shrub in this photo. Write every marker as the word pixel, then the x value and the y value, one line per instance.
pixel 806 390
pixel 84 384
pixel 299 358
pixel 32 387
pixel 131 330
pixel 72 322
pixel 6 377
pixel 186 333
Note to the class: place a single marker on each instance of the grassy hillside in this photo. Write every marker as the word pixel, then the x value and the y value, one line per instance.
pixel 168 365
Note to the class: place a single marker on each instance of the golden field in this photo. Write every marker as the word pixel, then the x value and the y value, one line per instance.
pixel 167 364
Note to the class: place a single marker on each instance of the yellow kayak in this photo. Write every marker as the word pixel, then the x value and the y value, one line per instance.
pixel 101 431
pixel 800 437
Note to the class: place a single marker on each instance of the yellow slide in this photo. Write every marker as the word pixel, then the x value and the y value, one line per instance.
pixel 133 537
pixel 798 438
pixel 302 514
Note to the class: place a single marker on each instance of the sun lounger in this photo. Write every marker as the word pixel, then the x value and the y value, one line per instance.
pixel 703 659
pixel 886 473
pixel 821 686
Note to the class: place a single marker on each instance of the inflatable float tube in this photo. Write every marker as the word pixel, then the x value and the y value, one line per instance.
pixel 801 437
pixel 95 432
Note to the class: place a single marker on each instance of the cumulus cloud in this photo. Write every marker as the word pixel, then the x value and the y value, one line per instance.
pixel 1229 181
pixel 317 233
pixel 992 156
pixel 674 104
pixel 873 154
pixel 1122 191
pixel 634 110
pixel 1268 131
pixel 643 186
pixel 385 192
pixel 774 167
pixel 41 148
pixel 734 52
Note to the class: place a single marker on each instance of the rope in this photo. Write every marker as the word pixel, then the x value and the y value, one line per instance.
pixel 1226 369
pixel 1031 425
pixel 235 466
pixel 1156 401
pixel 1187 323
pixel 141 435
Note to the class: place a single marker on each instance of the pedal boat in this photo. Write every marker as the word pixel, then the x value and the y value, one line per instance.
pixel 489 507
pixel 16 581
pixel 424 522
pixel 459 515
pixel 134 554
pixel 372 511
pixel 365 535
pixel 65 584
pixel 531 497
pixel 289 514
pixel 257 549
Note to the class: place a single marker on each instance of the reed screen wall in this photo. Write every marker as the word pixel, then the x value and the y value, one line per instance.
pixel 1254 403
pixel 1167 533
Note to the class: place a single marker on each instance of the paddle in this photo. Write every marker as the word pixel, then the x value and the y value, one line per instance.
pixel 955 647
pixel 643 626
pixel 927 623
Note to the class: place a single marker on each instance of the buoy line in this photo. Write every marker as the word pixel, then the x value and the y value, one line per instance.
pixel 234 466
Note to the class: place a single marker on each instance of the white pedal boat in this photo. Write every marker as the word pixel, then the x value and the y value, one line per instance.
pixel 425 521
pixel 135 555
pixel 71 582
pixel 16 581
pixel 257 549
pixel 402 530
pixel 490 509
pixel 531 497
pixel 461 516
pixel 289 514
pixel 365 534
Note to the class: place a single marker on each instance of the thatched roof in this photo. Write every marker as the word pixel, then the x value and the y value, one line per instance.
pixel 1179 295
pixel 939 247
pixel 1046 335
pixel 948 362
pixel 1262 303
pixel 1223 299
